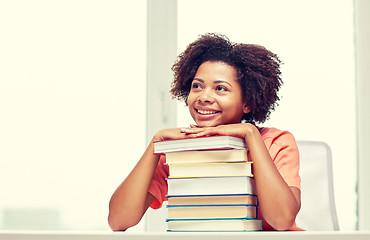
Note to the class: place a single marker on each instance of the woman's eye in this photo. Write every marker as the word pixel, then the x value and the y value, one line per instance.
pixel 221 88
pixel 196 85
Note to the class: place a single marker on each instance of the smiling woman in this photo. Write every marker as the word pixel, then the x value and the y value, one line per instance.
pixel 227 86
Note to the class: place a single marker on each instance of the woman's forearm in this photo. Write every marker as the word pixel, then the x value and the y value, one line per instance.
pixel 131 199
pixel 278 203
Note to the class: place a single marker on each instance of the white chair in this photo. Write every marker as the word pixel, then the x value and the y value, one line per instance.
pixel 318 210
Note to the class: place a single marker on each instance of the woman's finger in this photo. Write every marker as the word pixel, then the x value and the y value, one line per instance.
pixel 207 132
pixel 191 130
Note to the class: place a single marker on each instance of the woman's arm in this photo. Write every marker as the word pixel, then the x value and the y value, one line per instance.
pixel 131 199
pixel 278 202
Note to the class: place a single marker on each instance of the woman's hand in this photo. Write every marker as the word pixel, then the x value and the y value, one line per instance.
pixel 171 133
pixel 239 130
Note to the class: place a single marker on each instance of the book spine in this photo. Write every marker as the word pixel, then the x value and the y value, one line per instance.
pixel 209 186
pixel 204 219
pixel 212 205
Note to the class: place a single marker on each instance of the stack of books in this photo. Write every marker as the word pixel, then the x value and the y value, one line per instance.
pixel 210 185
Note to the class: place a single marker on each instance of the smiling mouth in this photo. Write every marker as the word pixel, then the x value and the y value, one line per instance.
pixel 206 112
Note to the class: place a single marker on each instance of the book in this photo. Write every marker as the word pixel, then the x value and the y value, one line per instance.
pixel 212 199
pixel 210 169
pixel 220 225
pixel 228 155
pixel 211 185
pixel 199 143
pixel 211 211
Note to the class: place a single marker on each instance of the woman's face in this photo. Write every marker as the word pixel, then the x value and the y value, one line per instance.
pixel 215 96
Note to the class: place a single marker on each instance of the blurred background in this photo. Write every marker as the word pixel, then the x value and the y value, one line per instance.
pixel 76 77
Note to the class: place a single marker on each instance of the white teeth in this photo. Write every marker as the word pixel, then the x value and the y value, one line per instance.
pixel 206 112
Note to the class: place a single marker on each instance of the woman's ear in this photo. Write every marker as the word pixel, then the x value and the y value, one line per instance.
pixel 246 109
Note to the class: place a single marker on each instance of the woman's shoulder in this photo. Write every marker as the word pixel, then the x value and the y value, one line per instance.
pixel 271 131
pixel 277 136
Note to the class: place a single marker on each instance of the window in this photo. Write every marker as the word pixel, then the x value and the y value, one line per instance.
pixel 72 84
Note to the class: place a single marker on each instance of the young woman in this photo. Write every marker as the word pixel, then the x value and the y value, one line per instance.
pixel 229 88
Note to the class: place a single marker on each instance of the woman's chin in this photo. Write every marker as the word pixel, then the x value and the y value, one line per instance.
pixel 206 124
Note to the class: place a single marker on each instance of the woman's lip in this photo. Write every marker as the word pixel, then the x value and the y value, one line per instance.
pixel 206 111
pixel 206 117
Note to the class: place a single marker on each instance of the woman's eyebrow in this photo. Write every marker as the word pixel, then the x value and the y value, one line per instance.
pixel 221 81
pixel 215 82
pixel 198 79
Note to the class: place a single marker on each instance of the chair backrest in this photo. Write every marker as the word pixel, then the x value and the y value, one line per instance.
pixel 318 210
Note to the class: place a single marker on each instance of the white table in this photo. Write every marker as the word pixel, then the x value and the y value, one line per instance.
pixel 55 235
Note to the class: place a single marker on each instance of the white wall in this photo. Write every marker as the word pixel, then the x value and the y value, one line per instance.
pixel 316 45
pixel 362 20
pixel 72 80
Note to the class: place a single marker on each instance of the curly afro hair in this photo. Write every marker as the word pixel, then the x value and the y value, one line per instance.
pixel 258 72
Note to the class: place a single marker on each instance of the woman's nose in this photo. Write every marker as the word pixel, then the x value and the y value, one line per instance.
pixel 206 96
